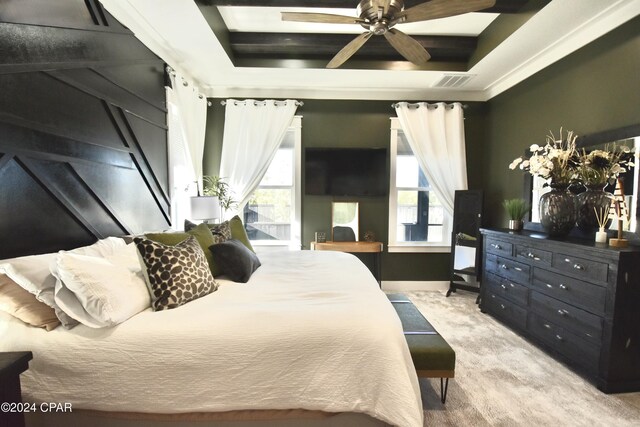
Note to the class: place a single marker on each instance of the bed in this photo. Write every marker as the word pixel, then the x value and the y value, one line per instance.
pixel 309 339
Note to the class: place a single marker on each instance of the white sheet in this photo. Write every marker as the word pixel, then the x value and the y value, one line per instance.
pixel 310 330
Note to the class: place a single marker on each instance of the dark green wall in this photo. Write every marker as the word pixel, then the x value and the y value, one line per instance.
pixel 333 123
pixel 594 89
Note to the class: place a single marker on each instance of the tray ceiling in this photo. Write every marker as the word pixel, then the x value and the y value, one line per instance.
pixel 241 48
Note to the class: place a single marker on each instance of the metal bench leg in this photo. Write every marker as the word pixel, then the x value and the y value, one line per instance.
pixel 444 385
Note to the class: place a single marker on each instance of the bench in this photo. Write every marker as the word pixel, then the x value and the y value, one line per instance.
pixel 432 356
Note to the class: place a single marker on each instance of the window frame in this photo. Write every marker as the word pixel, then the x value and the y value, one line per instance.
pixel 295 243
pixel 394 245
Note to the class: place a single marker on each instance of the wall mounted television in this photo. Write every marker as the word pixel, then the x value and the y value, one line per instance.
pixel 351 172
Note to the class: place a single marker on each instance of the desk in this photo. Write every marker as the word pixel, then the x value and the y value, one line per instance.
pixel 11 366
pixel 374 248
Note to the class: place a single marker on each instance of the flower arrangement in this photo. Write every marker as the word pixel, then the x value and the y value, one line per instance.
pixel 601 167
pixel 557 160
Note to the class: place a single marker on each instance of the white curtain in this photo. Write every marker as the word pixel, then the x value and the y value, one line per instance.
pixel 253 131
pixel 186 119
pixel 435 133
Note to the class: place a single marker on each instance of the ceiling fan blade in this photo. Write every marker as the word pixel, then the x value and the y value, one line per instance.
pixel 407 46
pixel 442 8
pixel 348 51
pixel 322 18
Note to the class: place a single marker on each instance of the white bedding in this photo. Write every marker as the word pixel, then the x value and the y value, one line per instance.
pixel 310 330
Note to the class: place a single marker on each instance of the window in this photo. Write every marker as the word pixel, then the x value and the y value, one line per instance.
pixel 417 220
pixel 272 215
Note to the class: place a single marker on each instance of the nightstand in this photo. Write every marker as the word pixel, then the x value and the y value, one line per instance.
pixel 11 366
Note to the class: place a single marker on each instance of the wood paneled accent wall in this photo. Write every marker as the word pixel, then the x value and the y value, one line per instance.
pixel 83 136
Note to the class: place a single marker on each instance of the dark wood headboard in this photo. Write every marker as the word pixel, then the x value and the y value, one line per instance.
pixel 83 136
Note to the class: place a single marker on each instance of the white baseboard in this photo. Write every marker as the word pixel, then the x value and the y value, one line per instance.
pixel 418 285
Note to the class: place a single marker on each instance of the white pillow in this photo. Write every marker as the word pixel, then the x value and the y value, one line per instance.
pixel 32 274
pixel 101 291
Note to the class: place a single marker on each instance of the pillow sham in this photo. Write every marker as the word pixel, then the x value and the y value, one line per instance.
pixel 32 273
pixel 101 291
pixel 24 306
pixel 176 274
pixel 203 235
pixel 237 261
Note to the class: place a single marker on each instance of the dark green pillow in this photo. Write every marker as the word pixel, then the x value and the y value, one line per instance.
pixel 239 233
pixel 203 236
pixel 236 259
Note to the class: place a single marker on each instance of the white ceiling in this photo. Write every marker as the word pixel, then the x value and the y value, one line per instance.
pixel 177 32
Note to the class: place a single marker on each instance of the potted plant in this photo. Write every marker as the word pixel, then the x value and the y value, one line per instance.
pixel 217 187
pixel 516 210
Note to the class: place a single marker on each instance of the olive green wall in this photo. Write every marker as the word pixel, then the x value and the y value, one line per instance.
pixel 594 89
pixel 335 123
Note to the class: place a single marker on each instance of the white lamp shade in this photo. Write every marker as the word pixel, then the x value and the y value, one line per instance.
pixel 205 208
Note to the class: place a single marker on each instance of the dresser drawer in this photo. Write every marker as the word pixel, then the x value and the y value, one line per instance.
pixel 507 268
pixel 507 289
pixel 578 350
pixel 534 255
pixel 569 290
pixel 498 247
pixel 506 310
pixel 584 324
pixel 589 269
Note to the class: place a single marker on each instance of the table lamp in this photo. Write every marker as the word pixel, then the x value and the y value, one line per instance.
pixel 205 208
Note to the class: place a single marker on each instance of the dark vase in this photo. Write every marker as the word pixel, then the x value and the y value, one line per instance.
pixel 558 211
pixel 594 197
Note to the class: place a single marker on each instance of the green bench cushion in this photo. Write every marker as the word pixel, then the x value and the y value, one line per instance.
pixel 429 351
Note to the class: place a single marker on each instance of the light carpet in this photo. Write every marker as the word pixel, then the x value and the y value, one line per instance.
pixel 503 380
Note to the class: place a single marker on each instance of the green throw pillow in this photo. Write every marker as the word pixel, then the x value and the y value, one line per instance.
pixel 239 233
pixel 203 236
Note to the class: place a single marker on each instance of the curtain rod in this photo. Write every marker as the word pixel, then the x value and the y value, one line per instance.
pixel 298 103
pixel 417 104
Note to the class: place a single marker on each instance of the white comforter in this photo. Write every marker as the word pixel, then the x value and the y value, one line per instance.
pixel 310 330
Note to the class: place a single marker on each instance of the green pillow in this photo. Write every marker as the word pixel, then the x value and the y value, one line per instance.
pixel 239 233
pixel 203 236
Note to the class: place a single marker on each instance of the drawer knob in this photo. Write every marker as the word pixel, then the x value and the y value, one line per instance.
pixel 504 267
pixel 546 325
pixel 503 287
pixel 512 285
pixel 502 306
pixel 550 286
pixel 559 338
pixel 562 312
pixel 578 267
pixel 496 246
pixel 563 286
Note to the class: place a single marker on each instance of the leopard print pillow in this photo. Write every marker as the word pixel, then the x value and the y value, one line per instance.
pixel 221 232
pixel 176 274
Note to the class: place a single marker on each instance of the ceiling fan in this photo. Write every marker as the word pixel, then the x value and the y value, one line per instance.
pixel 379 17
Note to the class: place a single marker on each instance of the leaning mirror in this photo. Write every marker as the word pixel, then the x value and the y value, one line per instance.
pixel 344 221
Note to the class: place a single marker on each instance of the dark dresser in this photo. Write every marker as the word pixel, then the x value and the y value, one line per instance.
pixel 578 300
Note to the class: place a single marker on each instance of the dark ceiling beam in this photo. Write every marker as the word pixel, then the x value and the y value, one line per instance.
pixel 295 45
pixel 501 6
